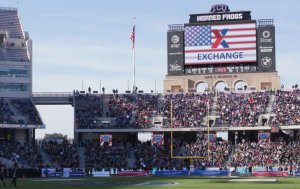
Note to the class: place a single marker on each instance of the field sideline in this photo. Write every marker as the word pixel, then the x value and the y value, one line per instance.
pixel 154 182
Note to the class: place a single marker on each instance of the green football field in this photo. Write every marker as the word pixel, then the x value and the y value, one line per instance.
pixel 158 182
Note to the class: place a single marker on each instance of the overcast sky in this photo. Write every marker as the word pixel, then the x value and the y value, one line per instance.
pixel 82 43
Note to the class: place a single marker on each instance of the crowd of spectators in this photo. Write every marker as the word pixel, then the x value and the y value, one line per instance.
pixel 87 109
pixel 286 108
pixel 241 109
pixel 214 153
pixel 106 157
pixel 188 110
pixel 26 107
pixel 266 154
pixel 24 155
pixel 62 154
pixel 156 156
pixel 133 110
pixel 5 112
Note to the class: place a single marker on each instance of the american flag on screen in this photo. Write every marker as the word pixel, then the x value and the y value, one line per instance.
pixel 220 43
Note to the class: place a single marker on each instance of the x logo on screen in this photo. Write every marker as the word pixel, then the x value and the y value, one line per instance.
pixel 220 38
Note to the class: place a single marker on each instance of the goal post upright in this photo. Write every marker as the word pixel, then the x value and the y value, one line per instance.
pixel 171 124
pixel 207 122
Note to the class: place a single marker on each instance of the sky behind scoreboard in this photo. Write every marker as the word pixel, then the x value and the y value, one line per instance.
pixel 77 44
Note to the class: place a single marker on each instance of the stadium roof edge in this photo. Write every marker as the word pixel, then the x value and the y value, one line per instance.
pixel 8 9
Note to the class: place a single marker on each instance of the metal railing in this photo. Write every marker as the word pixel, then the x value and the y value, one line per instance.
pixel 176 27
pixel 265 22
pixel 52 94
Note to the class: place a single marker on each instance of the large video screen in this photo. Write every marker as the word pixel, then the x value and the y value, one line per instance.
pixel 220 43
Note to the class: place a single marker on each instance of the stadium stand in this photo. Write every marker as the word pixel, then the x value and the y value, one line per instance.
pixel 106 157
pixel 62 154
pixel 133 111
pixel 241 109
pixel 17 54
pixel 5 112
pixel 266 154
pixel 9 21
pixel 87 109
pixel 25 155
pixel 286 108
pixel 189 109
pixel 27 110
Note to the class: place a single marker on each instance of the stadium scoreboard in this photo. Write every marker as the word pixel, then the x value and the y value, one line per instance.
pixel 221 42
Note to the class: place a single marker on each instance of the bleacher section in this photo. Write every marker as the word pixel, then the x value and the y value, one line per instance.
pixel 10 22
pixel 189 110
pixel 62 154
pixel 6 114
pixel 106 157
pixel 133 111
pixel 240 110
pixel 286 108
pixel 12 48
pixel 19 111
pixel 17 54
pixel 24 155
pixel 87 109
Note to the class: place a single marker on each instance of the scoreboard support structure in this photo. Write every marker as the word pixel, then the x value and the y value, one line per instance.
pixel 221 46
pixel 254 81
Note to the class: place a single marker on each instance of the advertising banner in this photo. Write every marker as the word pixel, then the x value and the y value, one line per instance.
pixel 133 173
pixel 175 52
pixel 220 43
pixel 212 137
pixel 46 172
pixel 101 173
pixel 296 174
pixel 196 70
pixel 167 173
pixel 266 48
pixel 270 173
pixel 157 139
pixel 211 172
pixel 105 138
pixel 66 172
pixel 263 136
pixel 216 17
pixel 77 174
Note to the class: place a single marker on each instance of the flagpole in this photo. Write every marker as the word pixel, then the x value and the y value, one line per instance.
pixel 134 88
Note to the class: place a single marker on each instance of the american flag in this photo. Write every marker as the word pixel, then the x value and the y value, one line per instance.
pixel 215 39
pixel 132 36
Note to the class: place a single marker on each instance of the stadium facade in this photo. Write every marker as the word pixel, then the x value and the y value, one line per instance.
pixel 19 117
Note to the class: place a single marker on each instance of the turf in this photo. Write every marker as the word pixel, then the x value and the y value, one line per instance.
pixel 152 182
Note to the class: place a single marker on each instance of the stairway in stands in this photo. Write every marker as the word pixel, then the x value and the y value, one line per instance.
pixel 271 102
pixel 18 116
pixel 213 107
pixel 131 159
pixel 105 107
pixel 7 162
pixel 45 157
pixel 80 151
